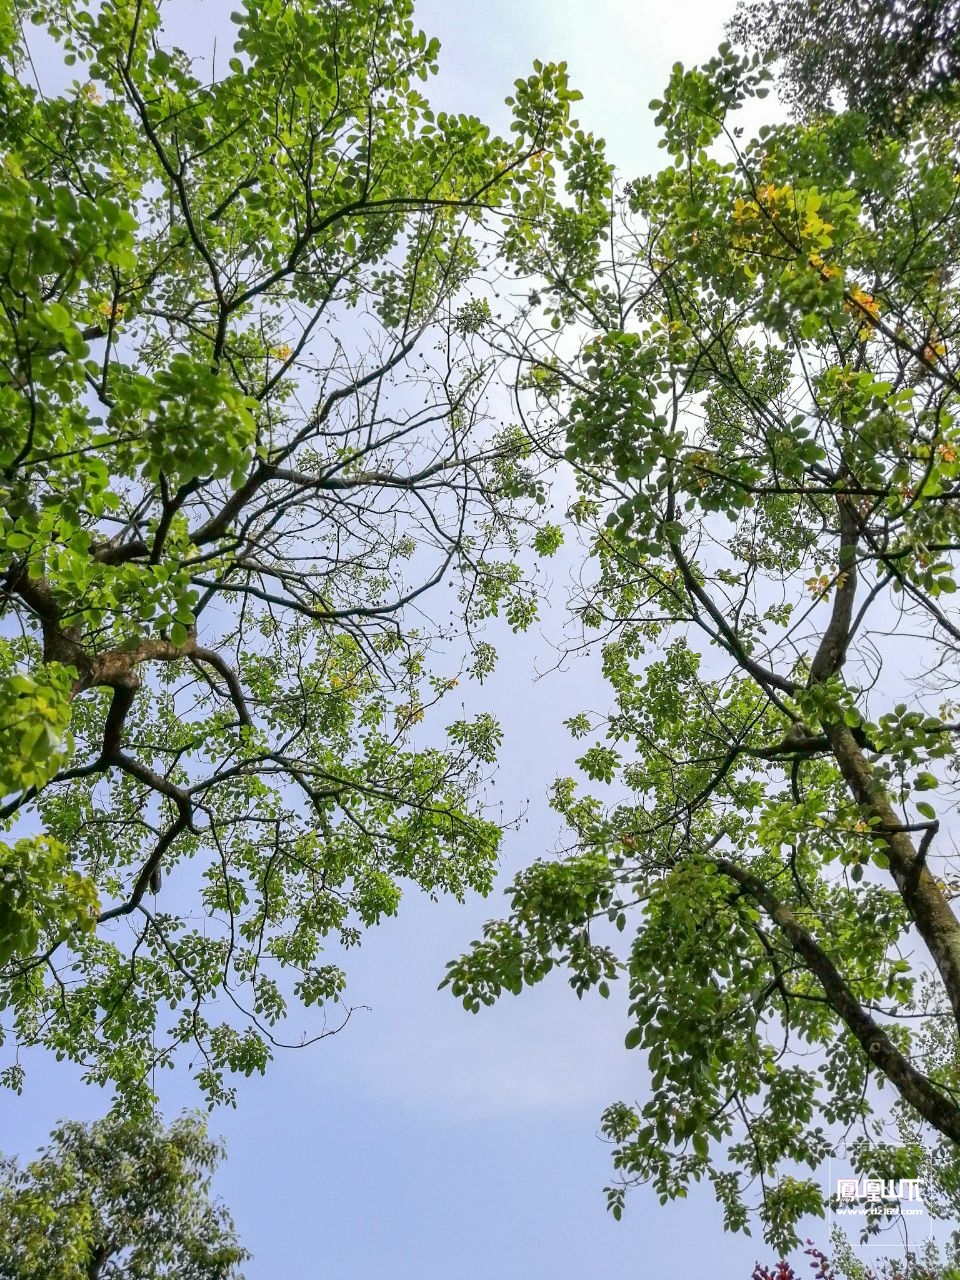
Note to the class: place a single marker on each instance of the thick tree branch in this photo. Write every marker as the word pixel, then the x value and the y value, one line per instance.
pixel 832 649
pixel 930 910
pixel 928 1101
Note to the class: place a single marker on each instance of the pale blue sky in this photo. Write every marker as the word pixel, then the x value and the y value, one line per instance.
pixel 423 1142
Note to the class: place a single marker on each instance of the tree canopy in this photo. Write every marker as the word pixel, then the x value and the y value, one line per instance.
pixel 119 1199
pixel 252 373
pixel 763 421
pixel 886 60
pixel 246 430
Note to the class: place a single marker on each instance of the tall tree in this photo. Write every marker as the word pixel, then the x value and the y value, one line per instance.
pixel 764 423
pixel 120 1199
pixel 245 432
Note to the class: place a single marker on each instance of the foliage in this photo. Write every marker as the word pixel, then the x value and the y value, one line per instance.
pixel 40 895
pixel 244 380
pixel 763 420
pixel 120 1199
pixel 784 1271
pixel 926 1263
pixel 886 60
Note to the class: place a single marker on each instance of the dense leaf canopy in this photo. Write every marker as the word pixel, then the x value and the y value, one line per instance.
pixel 117 1200
pixel 245 430
pixel 250 361
pixel 763 420
pixel 889 60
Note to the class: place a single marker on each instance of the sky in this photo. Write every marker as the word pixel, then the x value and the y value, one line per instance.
pixel 424 1142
